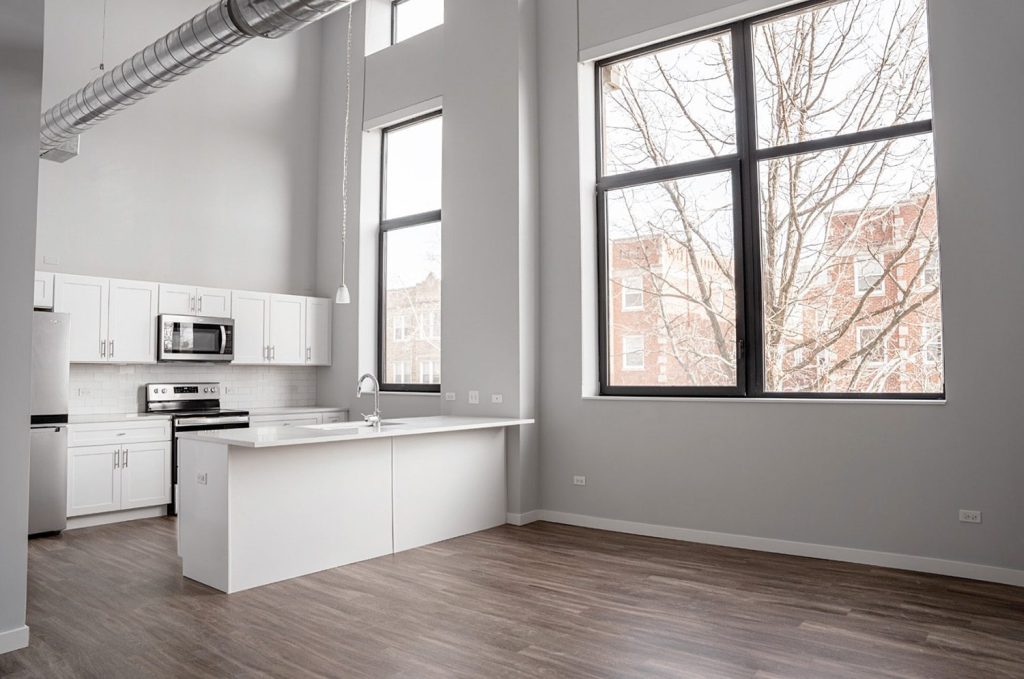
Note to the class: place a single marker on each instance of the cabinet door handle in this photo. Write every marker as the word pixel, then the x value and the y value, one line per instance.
pixel 103 348
pixel 117 458
pixel 111 348
pixel 200 304
pixel 125 451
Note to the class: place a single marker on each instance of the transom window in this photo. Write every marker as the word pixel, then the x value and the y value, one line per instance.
pixel 772 184
pixel 412 17
pixel 410 255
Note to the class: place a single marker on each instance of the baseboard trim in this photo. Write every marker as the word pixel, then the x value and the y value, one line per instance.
pixel 13 639
pixel 524 518
pixel 923 564
pixel 90 520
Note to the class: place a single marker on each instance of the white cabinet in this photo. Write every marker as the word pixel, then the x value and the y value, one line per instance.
pixel 281 329
pixel 186 300
pixel 145 474
pixel 287 330
pixel 42 292
pixel 252 326
pixel 132 322
pixel 111 319
pixel 118 470
pixel 318 331
pixel 87 300
pixel 94 481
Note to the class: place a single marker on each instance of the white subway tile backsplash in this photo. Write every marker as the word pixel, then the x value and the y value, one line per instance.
pixel 98 389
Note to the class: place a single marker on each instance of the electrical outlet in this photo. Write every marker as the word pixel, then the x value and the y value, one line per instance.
pixel 51 259
pixel 474 397
pixel 497 398
pixel 449 395
pixel 82 391
pixel 201 478
pixel 970 516
pixel 579 480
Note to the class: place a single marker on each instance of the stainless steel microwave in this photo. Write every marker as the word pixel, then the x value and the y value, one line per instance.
pixel 196 338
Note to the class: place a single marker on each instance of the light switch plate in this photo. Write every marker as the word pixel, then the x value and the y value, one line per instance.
pixel 474 397
pixel 449 395
pixel 497 398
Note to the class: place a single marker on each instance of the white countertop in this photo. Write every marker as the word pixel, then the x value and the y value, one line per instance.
pixel 265 437
pixel 294 410
pixel 116 417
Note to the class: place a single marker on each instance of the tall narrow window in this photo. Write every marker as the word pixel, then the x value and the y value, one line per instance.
pixel 412 17
pixel 410 255
pixel 773 184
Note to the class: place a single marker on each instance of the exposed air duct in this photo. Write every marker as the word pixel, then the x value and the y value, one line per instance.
pixel 214 31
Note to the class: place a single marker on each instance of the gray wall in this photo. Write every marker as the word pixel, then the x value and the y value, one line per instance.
pixel 887 477
pixel 487 81
pixel 211 181
pixel 21 63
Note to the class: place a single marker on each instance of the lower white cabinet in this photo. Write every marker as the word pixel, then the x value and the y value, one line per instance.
pixel 42 291
pixel 117 471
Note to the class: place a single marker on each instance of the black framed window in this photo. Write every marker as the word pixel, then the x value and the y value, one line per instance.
pixel 412 17
pixel 409 287
pixel 766 209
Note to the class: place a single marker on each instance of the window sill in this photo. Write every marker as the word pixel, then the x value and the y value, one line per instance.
pixel 410 393
pixel 816 401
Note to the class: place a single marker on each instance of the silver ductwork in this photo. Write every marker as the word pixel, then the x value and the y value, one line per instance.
pixel 214 31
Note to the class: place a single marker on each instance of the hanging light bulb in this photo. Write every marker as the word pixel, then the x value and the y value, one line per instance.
pixel 342 296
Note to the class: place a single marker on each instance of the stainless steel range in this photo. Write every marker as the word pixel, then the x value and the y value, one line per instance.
pixel 193 406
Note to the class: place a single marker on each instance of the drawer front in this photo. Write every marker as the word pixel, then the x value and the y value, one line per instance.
pixel 105 433
pixel 332 418
pixel 287 421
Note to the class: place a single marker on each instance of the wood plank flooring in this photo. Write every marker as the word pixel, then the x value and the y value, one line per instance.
pixel 539 601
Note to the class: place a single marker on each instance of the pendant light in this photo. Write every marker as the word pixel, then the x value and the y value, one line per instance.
pixel 343 296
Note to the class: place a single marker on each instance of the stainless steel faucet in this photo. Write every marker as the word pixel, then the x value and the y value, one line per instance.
pixel 373 418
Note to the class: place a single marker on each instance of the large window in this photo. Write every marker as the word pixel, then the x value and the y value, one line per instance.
pixel 410 256
pixel 766 208
pixel 412 17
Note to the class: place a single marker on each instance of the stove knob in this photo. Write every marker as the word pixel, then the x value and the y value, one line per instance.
pixel 206 390
pixel 213 390
pixel 163 391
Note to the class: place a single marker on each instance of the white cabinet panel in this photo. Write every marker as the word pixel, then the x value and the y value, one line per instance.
pixel 287 330
pixel 285 420
pixel 86 299
pixel 118 433
pixel 333 418
pixel 145 474
pixel 42 293
pixel 251 312
pixel 133 310
pixel 177 299
pixel 213 302
pixel 318 331
pixel 94 480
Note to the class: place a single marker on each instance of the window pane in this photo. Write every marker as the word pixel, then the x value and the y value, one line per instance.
pixel 850 270
pixel 841 67
pixel 415 16
pixel 412 297
pixel 669 106
pixel 412 181
pixel 674 241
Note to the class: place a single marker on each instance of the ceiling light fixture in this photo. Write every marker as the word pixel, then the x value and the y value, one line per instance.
pixel 343 296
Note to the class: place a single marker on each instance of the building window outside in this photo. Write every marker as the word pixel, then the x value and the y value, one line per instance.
pixel 737 189
pixel 633 352
pixel 428 373
pixel 412 17
pixel 400 372
pixel 633 293
pixel 409 287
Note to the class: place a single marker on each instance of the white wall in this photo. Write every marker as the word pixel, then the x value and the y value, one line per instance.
pixel 489 206
pixel 211 181
pixel 887 477
pixel 21 62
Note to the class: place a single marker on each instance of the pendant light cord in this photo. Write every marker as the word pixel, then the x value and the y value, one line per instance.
pixel 344 151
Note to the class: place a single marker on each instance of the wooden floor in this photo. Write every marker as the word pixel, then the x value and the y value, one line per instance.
pixel 539 601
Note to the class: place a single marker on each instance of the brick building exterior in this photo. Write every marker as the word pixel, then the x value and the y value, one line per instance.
pixel 413 333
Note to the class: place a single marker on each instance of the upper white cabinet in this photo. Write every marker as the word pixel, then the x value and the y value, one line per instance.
pixel 318 331
pixel 287 330
pixel 251 312
pixel 87 299
pixel 185 300
pixel 132 322
pixel 42 293
pixel 111 320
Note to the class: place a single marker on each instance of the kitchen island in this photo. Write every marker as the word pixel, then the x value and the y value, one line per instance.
pixel 266 504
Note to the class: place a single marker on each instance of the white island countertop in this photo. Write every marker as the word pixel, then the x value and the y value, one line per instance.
pixel 265 437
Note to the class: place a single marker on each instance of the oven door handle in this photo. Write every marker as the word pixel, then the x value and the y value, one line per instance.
pixel 200 421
